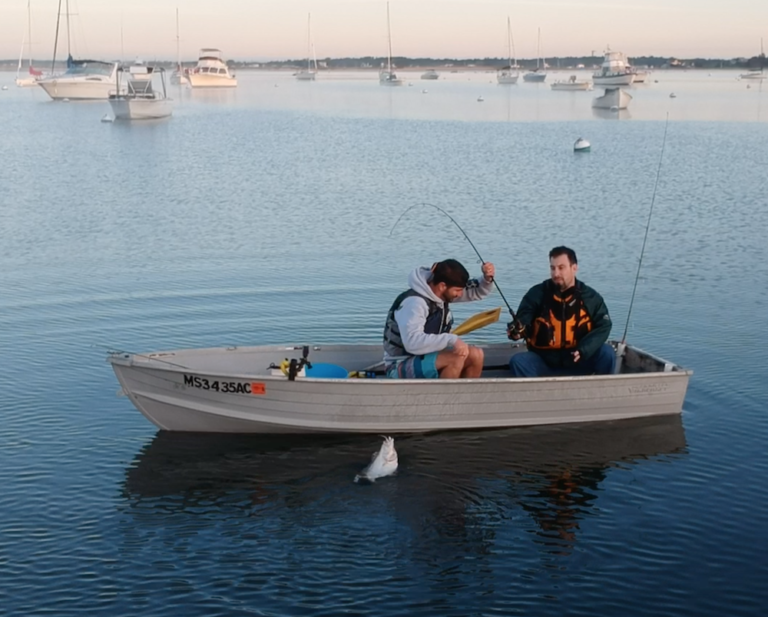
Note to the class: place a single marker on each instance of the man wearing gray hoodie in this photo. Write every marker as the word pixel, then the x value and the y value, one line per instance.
pixel 417 339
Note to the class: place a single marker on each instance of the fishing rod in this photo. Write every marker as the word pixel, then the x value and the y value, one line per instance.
pixel 472 244
pixel 647 227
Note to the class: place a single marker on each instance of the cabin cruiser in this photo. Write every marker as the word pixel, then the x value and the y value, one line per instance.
pixel 614 71
pixel 211 71
pixel 83 80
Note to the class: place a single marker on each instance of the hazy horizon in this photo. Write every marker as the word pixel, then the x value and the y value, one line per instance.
pixel 277 30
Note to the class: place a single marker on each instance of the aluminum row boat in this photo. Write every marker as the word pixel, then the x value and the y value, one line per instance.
pixel 247 390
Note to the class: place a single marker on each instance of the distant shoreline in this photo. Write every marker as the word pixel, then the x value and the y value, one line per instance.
pixel 370 63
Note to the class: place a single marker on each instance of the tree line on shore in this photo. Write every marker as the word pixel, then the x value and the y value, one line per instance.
pixel 401 62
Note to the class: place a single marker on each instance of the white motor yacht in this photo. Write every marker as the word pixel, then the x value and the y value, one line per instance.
pixel 211 71
pixel 614 71
pixel 140 101
pixel 83 80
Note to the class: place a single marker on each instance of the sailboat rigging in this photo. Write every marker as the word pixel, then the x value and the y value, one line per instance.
pixel 387 77
pixel 308 74
pixel 33 73
pixel 508 74
pixel 538 75
pixel 178 78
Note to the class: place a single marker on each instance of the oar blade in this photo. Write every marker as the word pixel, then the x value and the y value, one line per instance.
pixel 478 321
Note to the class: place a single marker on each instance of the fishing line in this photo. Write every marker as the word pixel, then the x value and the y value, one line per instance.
pixel 472 244
pixel 647 227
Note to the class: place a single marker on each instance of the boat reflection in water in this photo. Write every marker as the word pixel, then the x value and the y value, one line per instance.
pixel 449 485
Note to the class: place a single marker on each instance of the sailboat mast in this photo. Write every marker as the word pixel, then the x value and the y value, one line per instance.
pixel 538 49
pixel 389 39
pixel 29 31
pixel 178 52
pixel 56 38
pixel 69 42
pixel 509 43
pixel 309 42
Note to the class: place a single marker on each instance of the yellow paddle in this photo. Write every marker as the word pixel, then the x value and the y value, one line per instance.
pixel 486 318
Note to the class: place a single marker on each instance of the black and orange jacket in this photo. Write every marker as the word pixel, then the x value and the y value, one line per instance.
pixel 558 323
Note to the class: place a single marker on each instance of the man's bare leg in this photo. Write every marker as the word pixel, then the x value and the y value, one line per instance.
pixel 450 364
pixel 473 365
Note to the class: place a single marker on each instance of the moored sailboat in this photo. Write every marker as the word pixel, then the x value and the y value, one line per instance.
pixel 33 74
pixel 179 76
pixel 508 75
pixel 387 77
pixel 309 73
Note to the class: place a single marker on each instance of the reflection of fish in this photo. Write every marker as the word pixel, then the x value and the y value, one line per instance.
pixel 383 462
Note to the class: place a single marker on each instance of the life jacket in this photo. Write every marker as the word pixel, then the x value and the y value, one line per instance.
pixel 439 321
pixel 562 321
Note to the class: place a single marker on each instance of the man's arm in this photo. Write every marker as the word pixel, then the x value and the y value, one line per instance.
pixel 601 327
pixel 411 318
pixel 480 288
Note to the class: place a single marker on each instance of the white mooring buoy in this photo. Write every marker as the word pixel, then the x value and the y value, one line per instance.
pixel 581 145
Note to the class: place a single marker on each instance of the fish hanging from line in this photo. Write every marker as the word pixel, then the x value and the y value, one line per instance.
pixel 383 463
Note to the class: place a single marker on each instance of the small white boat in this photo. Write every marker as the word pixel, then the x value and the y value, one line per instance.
pixel 141 101
pixel 571 84
pixel 613 99
pixel 309 73
pixel 430 74
pixel 752 75
pixel 211 71
pixel 245 390
pixel 508 75
pixel 613 71
pixel 387 76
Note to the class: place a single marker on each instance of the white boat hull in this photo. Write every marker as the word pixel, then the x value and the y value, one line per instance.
pixel 614 99
pixel 141 109
pixel 26 82
pixel 94 87
pixel 389 79
pixel 613 80
pixel 534 77
pixel 506 79
pixel 232 390
pixel 202 80
pixel 178 79
pixel 571 86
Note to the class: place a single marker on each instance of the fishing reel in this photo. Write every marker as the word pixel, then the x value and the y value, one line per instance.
pixel 515 330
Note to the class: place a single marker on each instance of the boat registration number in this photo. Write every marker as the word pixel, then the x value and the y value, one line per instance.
pixel 230 387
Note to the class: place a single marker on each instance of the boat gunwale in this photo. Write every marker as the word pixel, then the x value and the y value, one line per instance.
pixel 157 363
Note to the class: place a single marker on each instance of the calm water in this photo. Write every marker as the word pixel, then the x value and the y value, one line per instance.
pixel 263 215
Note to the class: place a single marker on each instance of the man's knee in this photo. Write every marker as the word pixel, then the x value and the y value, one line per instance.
pixel 476 356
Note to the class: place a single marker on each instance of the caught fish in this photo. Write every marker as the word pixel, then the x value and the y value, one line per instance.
pixel 383 462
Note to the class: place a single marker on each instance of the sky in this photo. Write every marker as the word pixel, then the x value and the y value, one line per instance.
pixel 261 30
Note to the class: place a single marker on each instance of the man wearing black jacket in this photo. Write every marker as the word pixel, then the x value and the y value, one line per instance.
pixel 565 324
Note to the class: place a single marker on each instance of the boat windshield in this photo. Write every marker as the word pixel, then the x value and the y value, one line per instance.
pixel 90 67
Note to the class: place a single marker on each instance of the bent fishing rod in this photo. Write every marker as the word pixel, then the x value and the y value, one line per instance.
pixel 647 227
pixel 464 233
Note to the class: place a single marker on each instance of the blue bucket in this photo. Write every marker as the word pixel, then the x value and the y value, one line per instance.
pixel 322 370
